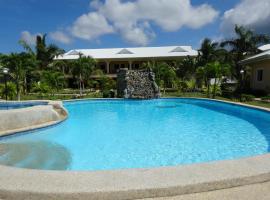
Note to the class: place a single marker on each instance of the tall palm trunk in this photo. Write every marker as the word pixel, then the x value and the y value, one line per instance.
pixel 208 88
pixel 25 85
pixel 18 91
pixel 80 83
pixel 215 88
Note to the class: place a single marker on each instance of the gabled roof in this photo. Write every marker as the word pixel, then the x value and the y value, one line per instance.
pixel 261 56
pixel 73 53
pixel 124 51
pixel 178 49
pixel 129 53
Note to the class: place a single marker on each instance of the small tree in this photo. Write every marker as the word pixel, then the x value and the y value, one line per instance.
pixel 186 68
pixel 55 80
pixel 82 70
pixel 16 65
pixel 10 90
pixel 245 44
pixel 165 74
pixel 215 71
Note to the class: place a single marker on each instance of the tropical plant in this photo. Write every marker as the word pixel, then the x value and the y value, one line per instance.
pixel 214 70
pixel 9 91
pixel 44 53
pixel 41 88
pixel 246 43
pixel 165 74
pixel 82 70
pixel 60 65
pixel 17 66
pixel 55 80
pixel 186 68
pixel 191 84
pixel 208 52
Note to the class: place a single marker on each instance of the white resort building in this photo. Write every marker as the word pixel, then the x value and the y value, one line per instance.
pixel 112 59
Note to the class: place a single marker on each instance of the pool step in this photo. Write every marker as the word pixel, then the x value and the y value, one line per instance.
pixel 35 155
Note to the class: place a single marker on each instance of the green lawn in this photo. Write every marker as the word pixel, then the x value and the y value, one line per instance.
pixel 200 95
pixel 59 97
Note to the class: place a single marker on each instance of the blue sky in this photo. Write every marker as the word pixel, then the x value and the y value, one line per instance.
pixel 121 23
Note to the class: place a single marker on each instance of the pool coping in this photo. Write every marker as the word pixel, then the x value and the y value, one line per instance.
pixel 135 183
pixel 54 104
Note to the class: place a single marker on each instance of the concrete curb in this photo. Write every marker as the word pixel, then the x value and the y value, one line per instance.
pixel 133 183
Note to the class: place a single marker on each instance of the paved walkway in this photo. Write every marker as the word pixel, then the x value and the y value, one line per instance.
pixel 250 192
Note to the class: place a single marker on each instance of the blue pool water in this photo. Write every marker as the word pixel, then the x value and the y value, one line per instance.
pixel 17 105
pixel 117 134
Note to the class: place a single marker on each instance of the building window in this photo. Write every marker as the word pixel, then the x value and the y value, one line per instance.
pixel 259 75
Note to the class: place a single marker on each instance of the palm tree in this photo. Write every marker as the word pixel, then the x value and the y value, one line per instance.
pixel 246 43
pixel 165 74
pixel 54 79
pixel 60 65
pixel 186 68
pixel 82 70
pixel 208 52
pixel 44 53
pixel 30 65
pixel 16 65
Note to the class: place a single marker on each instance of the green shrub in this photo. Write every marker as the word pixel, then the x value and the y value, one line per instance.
pixel 41 88
pixel 191 84
pixel 106 94
pixel 228 90
pixel 211 90
pixel 266 97
pixel 10 90
pixel 182 86
pixel 247 97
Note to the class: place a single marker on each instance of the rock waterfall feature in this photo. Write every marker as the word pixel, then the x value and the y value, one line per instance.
pixel 137 84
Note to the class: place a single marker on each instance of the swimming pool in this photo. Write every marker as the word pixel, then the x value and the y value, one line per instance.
pixel 118 134
pixel 17 105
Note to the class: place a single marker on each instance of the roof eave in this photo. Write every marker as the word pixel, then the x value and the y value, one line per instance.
pixel 139 57
pixel 253 60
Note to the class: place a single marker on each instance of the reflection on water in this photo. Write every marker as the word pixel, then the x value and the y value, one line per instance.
pixel 35 155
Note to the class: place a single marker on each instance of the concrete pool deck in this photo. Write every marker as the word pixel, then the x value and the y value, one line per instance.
pixel 133 183
pixel 248 192
pixel 214 179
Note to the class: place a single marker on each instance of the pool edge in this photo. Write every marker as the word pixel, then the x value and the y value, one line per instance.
pixel 135 183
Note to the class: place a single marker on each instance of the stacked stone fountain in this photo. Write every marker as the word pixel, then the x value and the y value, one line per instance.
pixel 137 84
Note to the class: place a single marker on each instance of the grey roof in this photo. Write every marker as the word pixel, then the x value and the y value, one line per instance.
pixel 261 56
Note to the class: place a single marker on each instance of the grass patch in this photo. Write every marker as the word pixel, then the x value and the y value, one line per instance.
pixel 59 97
pixel 201 95
pixel 259 103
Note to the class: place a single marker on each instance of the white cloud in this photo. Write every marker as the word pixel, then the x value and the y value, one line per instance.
pixel 28 37
pixel 90 26
pixel 133 20
pixel 59 36
pixel 250 13
pixel 95 3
